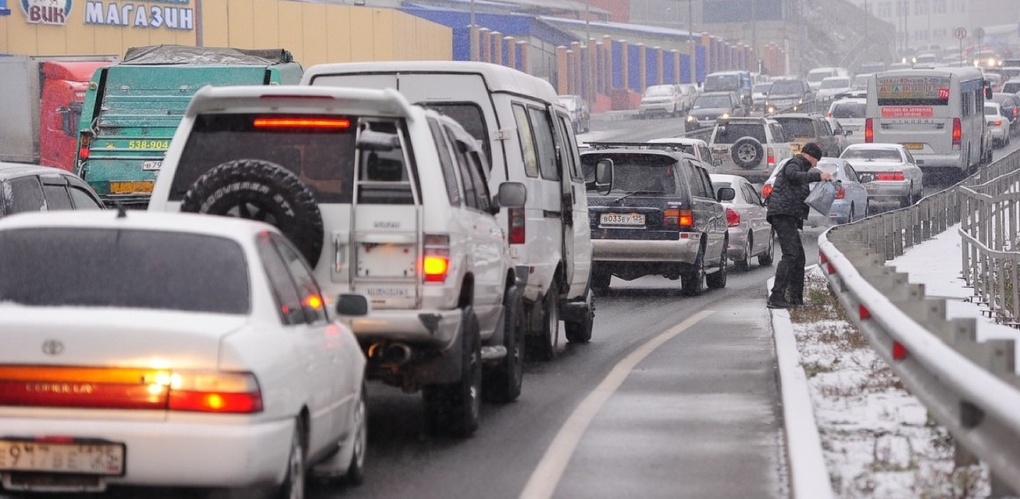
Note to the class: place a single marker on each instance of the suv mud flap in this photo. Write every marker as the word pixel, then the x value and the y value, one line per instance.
pixel 575 311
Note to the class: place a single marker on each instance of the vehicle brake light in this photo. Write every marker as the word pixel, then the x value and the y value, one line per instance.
pixel 889 176
pixel 435 263
pixel 840 191
pixel 766 190
pixel 997 122
pixel 771 157
pixel 213 392
pixel 85 146
pixel 302 122
pixel 957 134
pixel 685 218
pixel 869 130
pixel 732 217
pixel 517 225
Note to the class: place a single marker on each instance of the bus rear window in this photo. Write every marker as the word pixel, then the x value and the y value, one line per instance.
pixel 913 90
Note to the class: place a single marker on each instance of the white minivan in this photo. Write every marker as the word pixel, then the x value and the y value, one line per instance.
pixel 527 137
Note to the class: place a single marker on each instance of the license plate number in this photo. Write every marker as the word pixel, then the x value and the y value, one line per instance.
pixel 622 219
pixel 386 260
pixel 135 187
pixel 152 165
pixel 913 146
pixel 87 458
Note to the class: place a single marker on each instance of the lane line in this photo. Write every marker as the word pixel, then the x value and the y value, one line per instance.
pixel 547 474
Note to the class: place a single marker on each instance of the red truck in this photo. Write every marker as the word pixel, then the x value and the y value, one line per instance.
pixel 42 99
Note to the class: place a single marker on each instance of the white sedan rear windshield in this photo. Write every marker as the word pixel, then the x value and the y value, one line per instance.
pixel 69 266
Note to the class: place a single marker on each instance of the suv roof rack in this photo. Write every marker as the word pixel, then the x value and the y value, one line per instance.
pixel 640 145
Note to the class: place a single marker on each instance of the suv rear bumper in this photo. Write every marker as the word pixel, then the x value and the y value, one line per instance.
pixel 429 328
pixel 684 250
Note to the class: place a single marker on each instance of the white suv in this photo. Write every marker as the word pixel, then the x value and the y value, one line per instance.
pixel 389 200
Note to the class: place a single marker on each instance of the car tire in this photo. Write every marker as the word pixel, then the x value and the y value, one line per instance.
pixel 356 469
pixel 745 262
pixel 502 382
pixel 692 281
pixel 580 331
pixel 907 200
pixel 747 152
pixel 717 279
pixel 294 478
pixel 261 190
pixel 454 408
pixel 765 259
pixel 542 346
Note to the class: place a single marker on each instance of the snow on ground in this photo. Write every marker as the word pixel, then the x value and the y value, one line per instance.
pixel 877 439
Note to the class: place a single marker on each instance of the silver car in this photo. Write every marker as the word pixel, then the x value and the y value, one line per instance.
pixel 888 172
pixel 750 233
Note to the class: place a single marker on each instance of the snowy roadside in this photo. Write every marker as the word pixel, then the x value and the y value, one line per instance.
pixel 877 439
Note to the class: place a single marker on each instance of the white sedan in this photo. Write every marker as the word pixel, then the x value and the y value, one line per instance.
pixel 152 349
pixel 888 172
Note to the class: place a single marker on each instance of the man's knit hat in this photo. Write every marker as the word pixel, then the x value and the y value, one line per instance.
pixel 812 149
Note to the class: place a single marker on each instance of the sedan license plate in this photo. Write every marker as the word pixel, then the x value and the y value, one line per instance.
pixel 913 146
pixel 622 219
pixel 83 458
pixel 152 165
pixel 135 187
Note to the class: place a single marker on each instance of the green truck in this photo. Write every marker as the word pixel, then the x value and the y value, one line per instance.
pixel 132 109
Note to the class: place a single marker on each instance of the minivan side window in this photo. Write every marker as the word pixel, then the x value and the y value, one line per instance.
pixel 542 126
pixel 527 141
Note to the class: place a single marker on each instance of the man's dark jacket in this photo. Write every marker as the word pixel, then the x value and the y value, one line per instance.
pixel 791 188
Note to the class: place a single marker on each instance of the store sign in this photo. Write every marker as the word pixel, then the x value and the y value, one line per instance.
pixel 141 15
pixel 46 11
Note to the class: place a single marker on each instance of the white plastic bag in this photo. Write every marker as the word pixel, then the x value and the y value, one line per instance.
pixel 821 197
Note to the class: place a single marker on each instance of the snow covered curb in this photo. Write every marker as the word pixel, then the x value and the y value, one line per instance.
pixel 809 475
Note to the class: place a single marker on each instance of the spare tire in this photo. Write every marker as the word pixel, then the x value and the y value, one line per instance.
pixel 747 152
pixel 261 190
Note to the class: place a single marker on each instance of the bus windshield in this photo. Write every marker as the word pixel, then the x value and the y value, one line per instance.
pixel 913 90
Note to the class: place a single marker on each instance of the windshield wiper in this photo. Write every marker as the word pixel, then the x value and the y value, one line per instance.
pixel 631 193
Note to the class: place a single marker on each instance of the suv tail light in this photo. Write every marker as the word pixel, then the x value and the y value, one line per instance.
pixel 869 130
pixel 85 146
pixel 732 217
pixel 435 261
pixel 957 134
pixel 129 388
pixel 771 156
pixel 840 191
pixel 676 217
pixel 516 219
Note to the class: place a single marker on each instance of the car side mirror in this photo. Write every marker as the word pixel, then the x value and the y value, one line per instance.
pixel 988 93
pixel 352 304
pixel 511 195
pixel 726 194
pixel 603 182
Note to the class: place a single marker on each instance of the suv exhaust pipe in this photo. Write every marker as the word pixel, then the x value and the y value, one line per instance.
pixel 398 353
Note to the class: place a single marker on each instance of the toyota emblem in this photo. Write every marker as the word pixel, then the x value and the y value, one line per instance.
pixel 52 347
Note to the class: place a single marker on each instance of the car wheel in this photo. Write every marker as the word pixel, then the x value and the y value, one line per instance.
pixel 693 279
pixel 580 331
pixel 293 486
pixel 717 279
pixel 745 262
pixel 502 382
pixel 454 408
pixel 542 346
pixel 747 152
pixel 356 469
pixel 909 198
pixel 264 191
pixel 765 259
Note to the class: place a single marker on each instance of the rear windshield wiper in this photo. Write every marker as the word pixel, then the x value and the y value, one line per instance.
pixel 631 193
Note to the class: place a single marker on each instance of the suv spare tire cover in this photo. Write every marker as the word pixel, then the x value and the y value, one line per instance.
pixel 747 152
pixel 261 190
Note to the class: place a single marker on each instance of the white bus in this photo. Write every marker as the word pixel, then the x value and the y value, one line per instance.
pixel 937 114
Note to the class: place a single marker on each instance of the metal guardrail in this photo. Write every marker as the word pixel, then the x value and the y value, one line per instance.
pixel 971 388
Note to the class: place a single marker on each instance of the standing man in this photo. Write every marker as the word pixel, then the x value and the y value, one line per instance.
pixel 787 212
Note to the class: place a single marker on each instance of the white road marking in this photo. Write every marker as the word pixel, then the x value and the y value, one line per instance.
pixel 547 474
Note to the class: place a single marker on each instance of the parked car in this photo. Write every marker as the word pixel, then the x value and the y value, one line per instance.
pixel 998 124
pixel 660 218
pixel 711 106
pixel 749 147
pixel 759 93
pixel 157 350
pixel 695 147
pixel 788 95
pixel 833 86
pixel 1011 108
pixel 750 234
pixel 802 128
pixel 888 172
pixel 660 100
pixel 577 109
pixel 26 187
pixel 849 112
pixel 852 202
pixel 390 200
